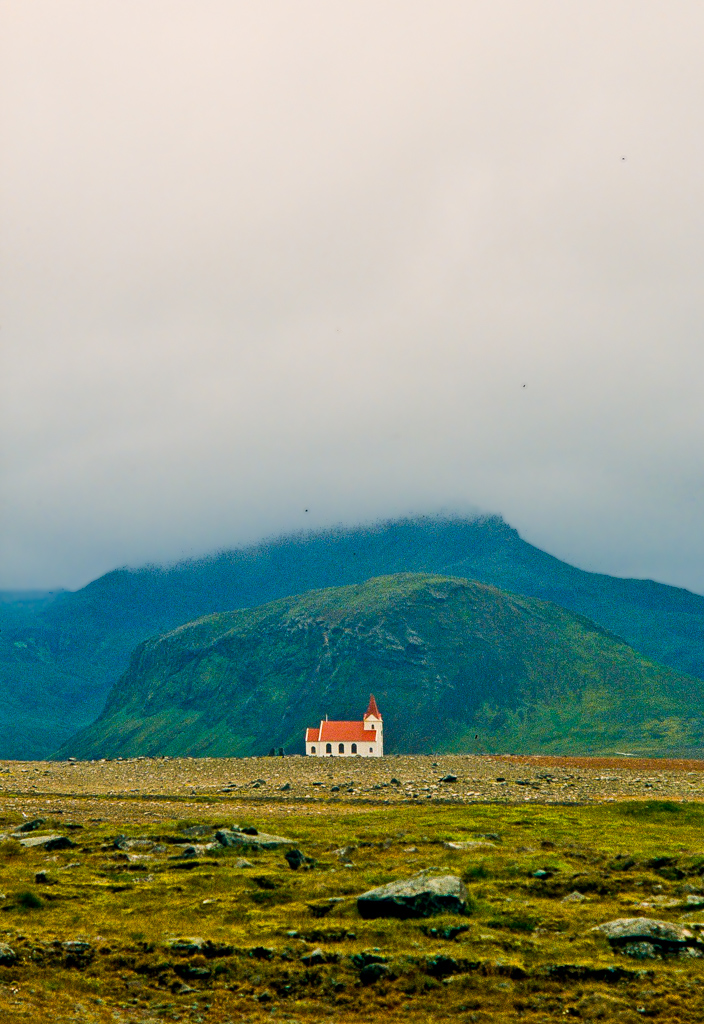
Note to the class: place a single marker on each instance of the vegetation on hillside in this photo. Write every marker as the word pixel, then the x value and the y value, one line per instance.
pixel 61 653
pixel 455 665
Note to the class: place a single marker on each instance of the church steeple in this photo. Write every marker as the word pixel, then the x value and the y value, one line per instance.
pixel 372 711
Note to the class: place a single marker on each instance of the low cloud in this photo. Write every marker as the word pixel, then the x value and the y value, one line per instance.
pixel 278 265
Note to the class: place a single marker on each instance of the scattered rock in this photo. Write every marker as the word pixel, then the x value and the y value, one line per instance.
pixel 573 897
pixel 441 966
pixel 8 957
pixel 194 944
pixel 420 896
pixel 364 959
pixel 468 844
pixel 372 973
pixel 449 778
pixel 285 788
pixel 243 863
pixel 78 954
pixel 30 826
pixel 260 841
pixel 297 859
pixel 42 878
pixel 664 936
pixel 186 852
pixel 54 842
pixel 187 947
pixel 313 958
pixel 262 952
pixel 193 831
pixel 191 971
pixel 448 934
pixel 344 853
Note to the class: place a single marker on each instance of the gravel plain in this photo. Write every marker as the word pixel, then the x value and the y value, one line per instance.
pixel 463 779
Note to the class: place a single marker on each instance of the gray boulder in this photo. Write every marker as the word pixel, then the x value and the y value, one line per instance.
pixel 77 953
pixel 314 958
pixel 633 933
pixel 297 859
pixel 260 841
pixel 372 973
pixel 186 852
pixel 54 842
pixel 468 844
pixel 187 946
pixel 7 955
pixel 420 896
pixel 30 826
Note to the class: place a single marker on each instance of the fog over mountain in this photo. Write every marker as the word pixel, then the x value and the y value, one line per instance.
pixel 284 265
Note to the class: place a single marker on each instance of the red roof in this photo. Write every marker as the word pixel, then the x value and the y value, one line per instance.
pixel 372 709
pixel 338 732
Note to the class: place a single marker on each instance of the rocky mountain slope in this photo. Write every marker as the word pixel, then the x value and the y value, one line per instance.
pixel 61 653
pixel 455 666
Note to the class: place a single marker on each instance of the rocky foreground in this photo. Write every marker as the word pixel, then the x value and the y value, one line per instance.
pixel 452 778
pixel 410 889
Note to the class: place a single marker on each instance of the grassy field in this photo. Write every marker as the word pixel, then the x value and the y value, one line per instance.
pixel 131 930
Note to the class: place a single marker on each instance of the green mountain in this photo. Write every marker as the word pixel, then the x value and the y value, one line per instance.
pixel 61 653
pixel 448 660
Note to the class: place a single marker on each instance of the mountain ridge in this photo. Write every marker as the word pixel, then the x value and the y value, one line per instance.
pixel 447 658
pixel 75 645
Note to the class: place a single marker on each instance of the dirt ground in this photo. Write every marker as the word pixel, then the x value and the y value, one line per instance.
pixel 61 786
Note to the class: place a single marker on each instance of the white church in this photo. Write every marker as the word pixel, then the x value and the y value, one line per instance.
pixel 348 739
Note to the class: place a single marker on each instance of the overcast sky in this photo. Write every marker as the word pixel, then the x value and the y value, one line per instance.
pixel 355 257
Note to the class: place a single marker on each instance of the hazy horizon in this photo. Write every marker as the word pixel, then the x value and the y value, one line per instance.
pixel 276 266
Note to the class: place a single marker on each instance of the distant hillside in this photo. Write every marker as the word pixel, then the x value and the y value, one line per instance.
pixel 73 646
pixel 448 660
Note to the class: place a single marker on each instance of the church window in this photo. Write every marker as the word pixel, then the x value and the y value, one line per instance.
pixel 341 748
pixel 312 750
pixel 371 750
pixel 328 748
pixel 354 748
